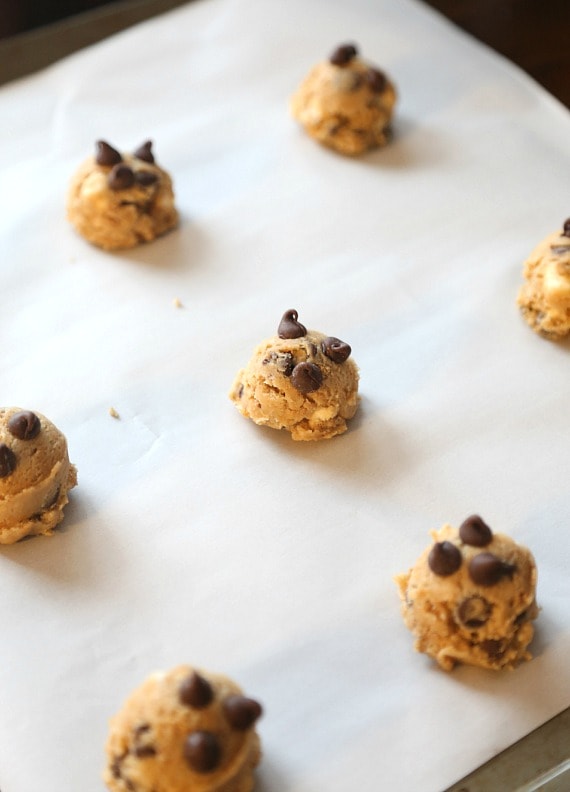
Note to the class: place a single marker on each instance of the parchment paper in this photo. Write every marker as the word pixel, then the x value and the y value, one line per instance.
pixel 196 536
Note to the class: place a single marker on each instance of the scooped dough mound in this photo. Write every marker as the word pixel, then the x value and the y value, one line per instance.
pixel 35 474
pixel 544 298
pixel 185 730
pixel 470 598
pixel 118 200
pixel 345 103
pixel 299 380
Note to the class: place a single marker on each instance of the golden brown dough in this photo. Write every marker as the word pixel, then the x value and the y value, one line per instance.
pixel 185 730
pixel 470 598
pixel 299 380
pixel 544 298
pixel 118 200
pixel 35 474
pixel 345 103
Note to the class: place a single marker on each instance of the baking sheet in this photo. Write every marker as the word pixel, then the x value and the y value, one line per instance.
pixel 195 536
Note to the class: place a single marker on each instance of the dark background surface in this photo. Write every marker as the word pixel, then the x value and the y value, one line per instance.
pixel 535 34
pixel 17 16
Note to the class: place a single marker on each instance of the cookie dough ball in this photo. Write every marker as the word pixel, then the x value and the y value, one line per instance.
pixel 544 298
pixel 345 103
pixel 299 380
pixel 470 598
pixel 120 200
pixel 184 731
pixel 35 474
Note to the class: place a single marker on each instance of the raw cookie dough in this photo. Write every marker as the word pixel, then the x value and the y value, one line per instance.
pixel 299 380
pixel 184 730
pixel 470 598
pixel 120 200
pixel 544 298
pixel 35 474
pixel 345 103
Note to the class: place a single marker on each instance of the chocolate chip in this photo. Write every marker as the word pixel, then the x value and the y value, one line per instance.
pixel 289 327
pixel 283 362
pixel 145 178
pixel 106 154
pixel 343 54
pixel 493 647
pixel 473 531
pixel 566 228
pixel 341 122
pixel 474 611
pixel 202 751
pixel 143 747
pixel 195 691
pixel 7 460
pixel 241 712
pixel 144 152
pixel 485 569
pixel 144 751
pixel 376 80
pixel 335 349
pixel 121 177
pixel 560 250
pixel 306 377
pixel 116 763
pixel 24 425
pixel 444 559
